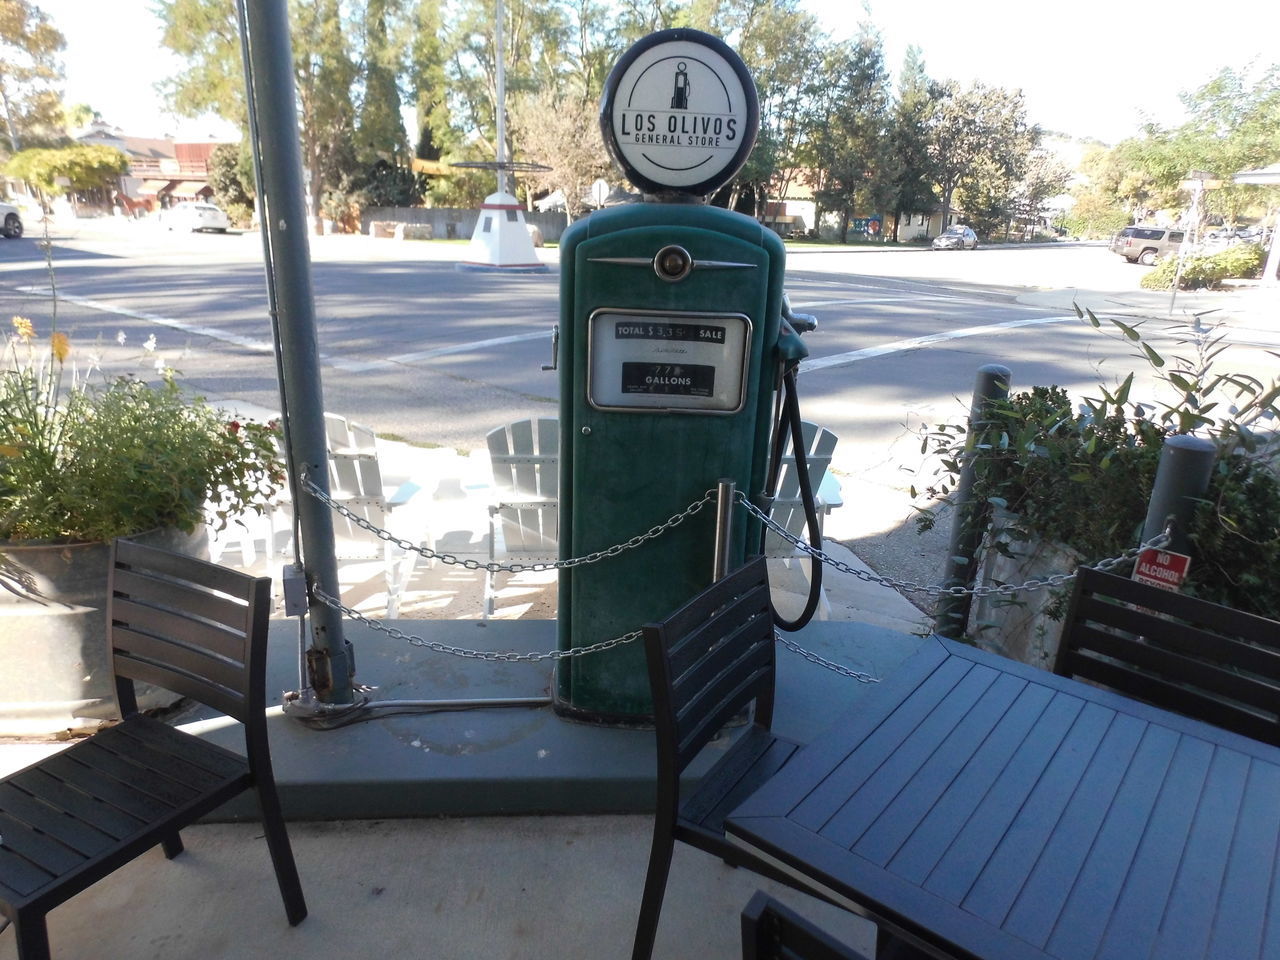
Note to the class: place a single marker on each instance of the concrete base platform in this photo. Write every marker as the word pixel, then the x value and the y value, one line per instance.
pixel 510 760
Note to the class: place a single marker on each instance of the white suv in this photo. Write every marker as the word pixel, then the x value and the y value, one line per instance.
pixel 10 221
pixel 195 216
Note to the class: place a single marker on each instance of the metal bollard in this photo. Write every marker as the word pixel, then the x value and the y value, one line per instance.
pixel 1182 476
pixel 951 613
pixel 724 529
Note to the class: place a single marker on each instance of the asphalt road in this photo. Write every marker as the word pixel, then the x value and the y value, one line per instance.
pixel 414 348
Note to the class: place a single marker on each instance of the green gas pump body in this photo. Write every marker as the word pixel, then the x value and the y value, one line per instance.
pixel 669 320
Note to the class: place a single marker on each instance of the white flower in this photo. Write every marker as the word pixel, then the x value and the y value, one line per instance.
pixel 120 337
pixel 150 345
pixel 159 364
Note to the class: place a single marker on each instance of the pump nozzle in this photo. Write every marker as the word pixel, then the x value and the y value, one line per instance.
pixel 799 322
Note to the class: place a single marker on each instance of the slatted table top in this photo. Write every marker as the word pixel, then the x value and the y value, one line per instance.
pixel 983 808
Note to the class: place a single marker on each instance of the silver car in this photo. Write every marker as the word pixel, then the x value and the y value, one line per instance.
pixel 10 221
pixel 956 237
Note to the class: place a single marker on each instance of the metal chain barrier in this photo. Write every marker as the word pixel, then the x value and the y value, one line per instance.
pixel 499 656
pixel 510 656
pixel 471 564
pixel 911 586
pixel 493 656
pixel 823 661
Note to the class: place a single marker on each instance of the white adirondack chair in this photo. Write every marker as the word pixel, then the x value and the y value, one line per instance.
pixel 788 509
pixel 355 481
pixel 525 458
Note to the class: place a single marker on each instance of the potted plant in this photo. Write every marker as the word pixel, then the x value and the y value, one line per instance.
pixel 1069 482
pixel 86 458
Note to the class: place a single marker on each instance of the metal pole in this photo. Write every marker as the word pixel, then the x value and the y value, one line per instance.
pixel 1182 477
pixel 283 215
pixel 724 529
pixel 502 101
pixel 951 613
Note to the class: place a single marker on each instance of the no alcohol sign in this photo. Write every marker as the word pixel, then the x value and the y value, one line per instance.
pixel 680 113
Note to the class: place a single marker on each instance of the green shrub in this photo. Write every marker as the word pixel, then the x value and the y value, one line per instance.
pixel 1082 476
pixel 97 460
pixel 1240 261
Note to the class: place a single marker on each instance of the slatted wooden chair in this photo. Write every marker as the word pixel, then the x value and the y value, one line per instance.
pixel 773 931
pixel 1190 656
pixel 68 821
pixel 525 459
pixel 707 662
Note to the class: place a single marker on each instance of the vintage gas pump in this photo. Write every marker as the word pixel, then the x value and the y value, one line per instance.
pixel 670 358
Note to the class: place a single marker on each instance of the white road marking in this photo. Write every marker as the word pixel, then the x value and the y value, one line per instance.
pixel 473 345
pixel 361 366
pixel 195 329
pixel 265 346
pixel 899 346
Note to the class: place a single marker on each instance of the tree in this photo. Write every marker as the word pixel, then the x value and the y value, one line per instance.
pixel 324 74
pixel 229 189
pixel 980 139
pixel 84 168
pixel 206 35
pixel 29 73
pixel 851 140
pixel 909 139
pixel 562 133
pixel 534 33
pixel 779 44
pixel 379 130
pixel 426 78
pixel 1044 177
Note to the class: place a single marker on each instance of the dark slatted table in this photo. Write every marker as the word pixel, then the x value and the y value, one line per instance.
pixel 982 808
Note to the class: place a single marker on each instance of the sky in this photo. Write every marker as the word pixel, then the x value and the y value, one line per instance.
pixel 1088 68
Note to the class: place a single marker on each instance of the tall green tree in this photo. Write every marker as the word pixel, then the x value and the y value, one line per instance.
pixel 851 140
pixel 779 43
pixel 980 140
pixel 379 129
pixel 324 73
pixel 426 79
pixel 909 141
pixel 205 34
pixel 30 71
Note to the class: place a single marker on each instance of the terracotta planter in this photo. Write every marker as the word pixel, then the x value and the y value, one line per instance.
pixel 53 634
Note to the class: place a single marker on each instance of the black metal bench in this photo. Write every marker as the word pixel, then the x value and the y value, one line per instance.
pixel 1190 656
pixel 68 821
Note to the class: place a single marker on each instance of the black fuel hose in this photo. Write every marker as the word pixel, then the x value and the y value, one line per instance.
pixel 789 421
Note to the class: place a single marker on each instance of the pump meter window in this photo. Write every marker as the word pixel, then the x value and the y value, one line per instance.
pixel 667 361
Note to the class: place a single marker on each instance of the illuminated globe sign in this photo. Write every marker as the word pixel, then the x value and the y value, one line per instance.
pixel 679 113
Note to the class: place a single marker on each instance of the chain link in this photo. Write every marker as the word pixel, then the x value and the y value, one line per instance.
pixel 510 656
pixel 823 661
pixel 492 656
pixel 494 567
pixel 937 590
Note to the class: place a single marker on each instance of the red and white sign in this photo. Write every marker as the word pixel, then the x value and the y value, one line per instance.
pixel 1161 568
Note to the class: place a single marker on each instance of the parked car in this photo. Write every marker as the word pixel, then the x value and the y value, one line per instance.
pixel 956 237
pixel 11 221
pixel 1144 244
pixel 195 216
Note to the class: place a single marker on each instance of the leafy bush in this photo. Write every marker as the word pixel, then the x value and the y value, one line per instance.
pixel 239 214
pixel 1082 476
pixel 1239 261
pixel 98 461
